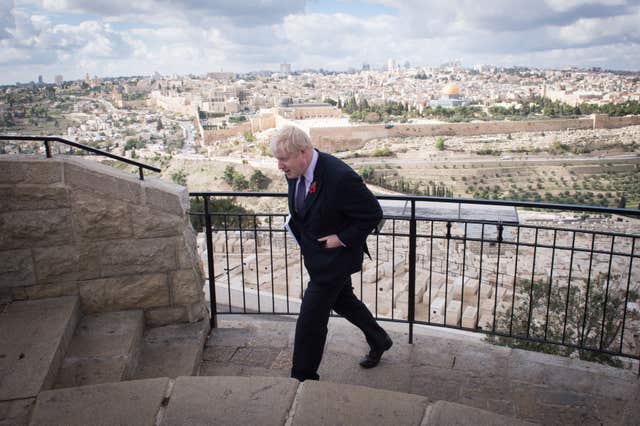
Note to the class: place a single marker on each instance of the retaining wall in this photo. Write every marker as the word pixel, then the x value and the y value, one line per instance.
pixel 72 226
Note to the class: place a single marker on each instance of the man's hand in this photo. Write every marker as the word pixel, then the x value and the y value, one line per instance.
pixel 331 241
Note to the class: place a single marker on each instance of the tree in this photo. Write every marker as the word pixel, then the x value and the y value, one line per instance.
pixel 249 137
pixel 367 172
pixel 239 182
pixel 259 181
pixel 588 323
pixel 219 221
pixel 622 203
pixel 228 174
pixel 179 177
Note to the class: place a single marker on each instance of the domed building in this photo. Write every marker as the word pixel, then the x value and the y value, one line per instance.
pixel 450 97
pixel 451 90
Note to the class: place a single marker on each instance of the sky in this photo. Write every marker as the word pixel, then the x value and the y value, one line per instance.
pixel 111 38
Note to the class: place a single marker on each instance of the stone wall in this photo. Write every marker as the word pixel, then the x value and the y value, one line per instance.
pixel 72 226
pixel 334 139
pixel 254 124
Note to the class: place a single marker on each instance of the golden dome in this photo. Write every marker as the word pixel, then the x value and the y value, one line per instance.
pixel 451 89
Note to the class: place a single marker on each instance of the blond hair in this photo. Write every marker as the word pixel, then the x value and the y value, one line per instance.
pixel 290 140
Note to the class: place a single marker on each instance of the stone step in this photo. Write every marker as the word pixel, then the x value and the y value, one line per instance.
pixel 172 351
pixel 247 400
pixel 34 337
pixel 451 413
pixel 105 348
pixel 135 402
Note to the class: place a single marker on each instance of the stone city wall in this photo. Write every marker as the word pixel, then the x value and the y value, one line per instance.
pixel 254 124
pixel 334 139
pixel 72 226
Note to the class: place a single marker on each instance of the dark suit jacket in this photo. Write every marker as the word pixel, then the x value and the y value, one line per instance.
pixel 342 205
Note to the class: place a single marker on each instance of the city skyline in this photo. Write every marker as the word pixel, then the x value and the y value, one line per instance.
pixel 76 37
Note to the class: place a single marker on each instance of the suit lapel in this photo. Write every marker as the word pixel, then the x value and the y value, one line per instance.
pixel 316 186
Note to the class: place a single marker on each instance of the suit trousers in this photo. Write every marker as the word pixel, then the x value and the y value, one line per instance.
pixel 311 328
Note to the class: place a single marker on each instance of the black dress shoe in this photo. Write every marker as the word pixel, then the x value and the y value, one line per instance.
pixel 373 357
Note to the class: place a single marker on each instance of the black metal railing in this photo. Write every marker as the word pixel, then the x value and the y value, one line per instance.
pixel 572 287
pixel 47 146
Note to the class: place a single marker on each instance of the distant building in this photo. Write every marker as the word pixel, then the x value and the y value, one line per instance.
pixel 310 110
pixel 366 67
pixel 40 81
pixel 391 65
pixel 450 98
pixel 285 68
pixel 58 79
pixel 220 75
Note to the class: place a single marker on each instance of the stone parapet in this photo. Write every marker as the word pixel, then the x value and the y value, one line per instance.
pixel 73 226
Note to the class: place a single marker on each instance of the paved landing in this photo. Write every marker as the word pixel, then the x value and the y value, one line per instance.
pixel 442 365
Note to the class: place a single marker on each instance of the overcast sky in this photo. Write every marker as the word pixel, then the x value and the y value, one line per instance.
pixel 137 37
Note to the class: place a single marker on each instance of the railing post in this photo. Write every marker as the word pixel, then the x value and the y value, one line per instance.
pixel 412 270
pixel 140 173
pixel 47 148
pixel 212 289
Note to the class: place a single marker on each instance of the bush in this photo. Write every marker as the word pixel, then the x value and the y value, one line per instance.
pixel 259 181
pixel 367 172
pixel 381 152
pixel 216 205
pixel 440 143
pixel 179 177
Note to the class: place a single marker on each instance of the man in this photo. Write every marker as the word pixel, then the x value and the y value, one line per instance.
pixel 332 212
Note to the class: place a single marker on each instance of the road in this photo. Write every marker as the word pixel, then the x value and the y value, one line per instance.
pixel 489 160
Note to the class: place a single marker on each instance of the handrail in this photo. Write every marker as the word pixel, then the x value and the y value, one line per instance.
pixel 504 203
pixel 47 139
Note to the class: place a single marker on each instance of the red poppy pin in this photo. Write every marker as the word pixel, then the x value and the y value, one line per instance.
pixel 312 188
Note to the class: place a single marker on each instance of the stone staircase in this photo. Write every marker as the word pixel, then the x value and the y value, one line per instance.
pixel 47 344
pixel 60 367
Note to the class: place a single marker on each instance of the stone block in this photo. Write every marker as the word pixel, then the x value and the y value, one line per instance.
pixel 99 218
pixel 172 351
pixel 89 257
pixel 43 291
pixel 453 313
pixel 35 228
pixel 165 196
pixel 187 248
pixel 124 292
pixel 198 311
pixel 16 412
pixel 137 256
pixel 16 268
pixel 437 310
pixel 34 336
pixel 18 169
pixel 445 412
pixel 246 400
pixel 186 288
pixel 158 317
pixel 135 402
pixel 101 179
pixel 57 263
pixel 151 223
pixel 321 403
pixel 33 197
pixel 469 317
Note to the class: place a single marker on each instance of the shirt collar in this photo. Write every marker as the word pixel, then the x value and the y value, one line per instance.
pixel 308 174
